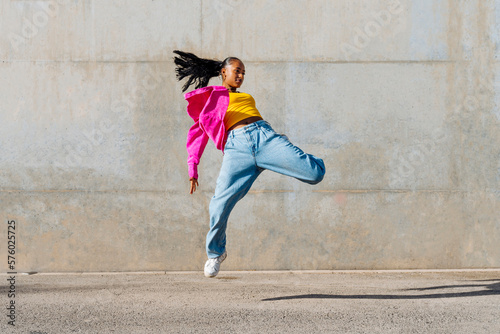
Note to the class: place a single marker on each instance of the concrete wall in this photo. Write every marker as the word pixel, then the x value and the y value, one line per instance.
pixel 400 98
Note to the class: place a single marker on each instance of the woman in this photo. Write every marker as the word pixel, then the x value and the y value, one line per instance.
pixel 249 144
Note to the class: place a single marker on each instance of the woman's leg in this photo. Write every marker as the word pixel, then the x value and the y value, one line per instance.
pixel 278 154
pixel 237 174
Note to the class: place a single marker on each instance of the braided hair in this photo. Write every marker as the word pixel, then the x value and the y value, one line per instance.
pixel 198 70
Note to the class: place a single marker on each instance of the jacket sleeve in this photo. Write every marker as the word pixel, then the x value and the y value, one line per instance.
pixel 197 140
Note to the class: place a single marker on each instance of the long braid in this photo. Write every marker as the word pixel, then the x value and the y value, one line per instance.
pixel 199 71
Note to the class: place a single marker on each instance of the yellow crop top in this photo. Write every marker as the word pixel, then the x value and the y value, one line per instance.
pixel 241 106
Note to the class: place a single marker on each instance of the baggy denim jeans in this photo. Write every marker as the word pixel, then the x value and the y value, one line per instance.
pixel 248 152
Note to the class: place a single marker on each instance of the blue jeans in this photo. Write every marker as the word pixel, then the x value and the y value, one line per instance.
pixel 248 152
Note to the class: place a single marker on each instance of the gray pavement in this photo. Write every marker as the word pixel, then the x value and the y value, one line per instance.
pixel 256 302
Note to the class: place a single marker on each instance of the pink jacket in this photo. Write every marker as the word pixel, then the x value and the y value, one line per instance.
pixel 207 106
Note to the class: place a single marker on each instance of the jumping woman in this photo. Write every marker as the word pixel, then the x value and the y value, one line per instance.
pixel 231 120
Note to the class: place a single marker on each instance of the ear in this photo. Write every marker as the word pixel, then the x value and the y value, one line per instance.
pixel 223 73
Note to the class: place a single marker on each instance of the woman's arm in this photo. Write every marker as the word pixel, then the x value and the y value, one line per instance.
pixel 197 140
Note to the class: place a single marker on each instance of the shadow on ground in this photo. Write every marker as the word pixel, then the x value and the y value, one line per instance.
pixel 487 290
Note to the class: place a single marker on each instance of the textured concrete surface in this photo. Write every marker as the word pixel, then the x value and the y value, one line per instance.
pixel 400 98
pixel 258 302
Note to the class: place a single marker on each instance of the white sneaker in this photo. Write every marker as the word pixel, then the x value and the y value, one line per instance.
pixel 212 266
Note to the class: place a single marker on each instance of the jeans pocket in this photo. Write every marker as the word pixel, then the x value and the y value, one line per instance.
pixel 267 132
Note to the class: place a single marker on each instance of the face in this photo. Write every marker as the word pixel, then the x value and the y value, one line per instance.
pixel 233 75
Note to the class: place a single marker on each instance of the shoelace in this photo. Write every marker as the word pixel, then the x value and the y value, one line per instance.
pixel 214 261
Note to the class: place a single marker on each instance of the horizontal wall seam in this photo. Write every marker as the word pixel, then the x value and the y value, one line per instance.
pixel 257 61
pixel 251 191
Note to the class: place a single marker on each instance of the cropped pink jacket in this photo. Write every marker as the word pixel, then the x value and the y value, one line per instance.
pixel 207 106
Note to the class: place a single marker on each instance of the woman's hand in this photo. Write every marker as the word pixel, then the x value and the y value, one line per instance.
pixel 194 184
